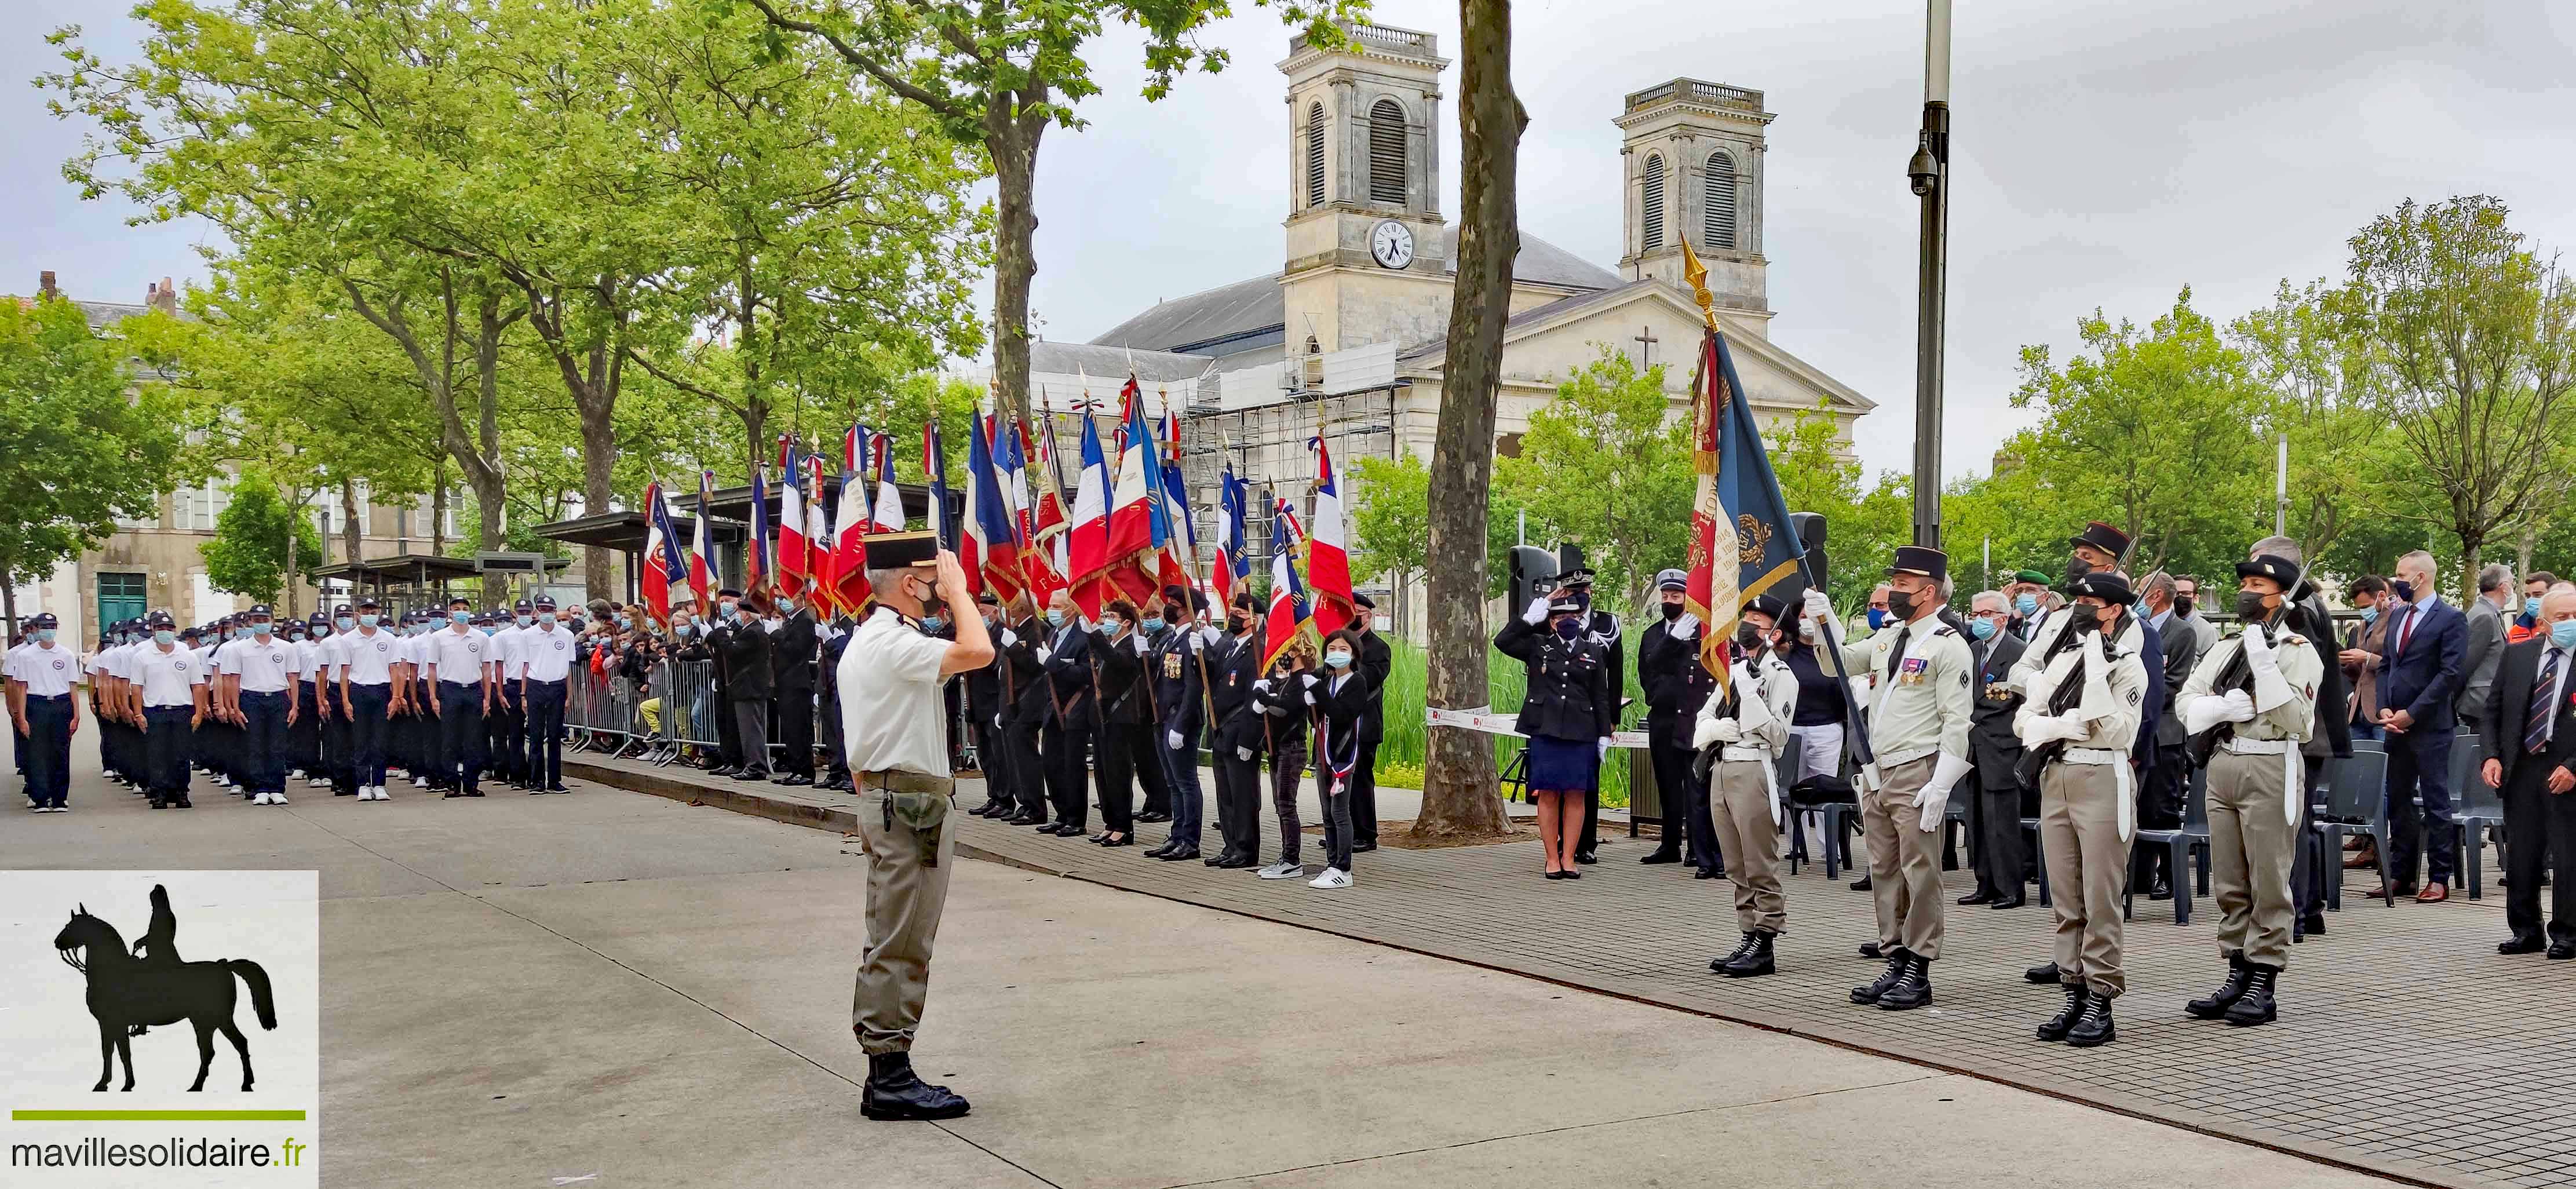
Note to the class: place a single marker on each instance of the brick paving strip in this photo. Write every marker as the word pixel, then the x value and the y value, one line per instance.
pixel 2407 1047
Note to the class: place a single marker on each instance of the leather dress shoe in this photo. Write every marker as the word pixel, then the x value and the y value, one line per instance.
pixel 2377 892
pixel 1979 898
pixel 1153 817
pixel 2526 944
pixel 1361 848
pixel 1239 862
pixel 2361 860
pixel 2015 900
pixel 2560 951
pixel 1023 819
pixel 1160 851
pixel 1869 950
pixel 1186 852
pixel 2160 889
pixel 1861 884
pixel 799 780
pixel 1060 830
pixel 1587 858
pixel 2044 974
pixel 722 770
pixel 1662 856
pixel 1707 873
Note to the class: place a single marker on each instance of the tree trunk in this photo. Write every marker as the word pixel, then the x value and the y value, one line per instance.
pixel 350 539
pixel 490 491
pixel 1013 144
pixel 438 506
pixel 291 596
pixel 598 408
pixel 9 601
pixel 2522 549
pixel 1459 793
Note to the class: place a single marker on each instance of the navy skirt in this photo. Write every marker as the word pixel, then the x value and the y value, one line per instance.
pixel 1562 763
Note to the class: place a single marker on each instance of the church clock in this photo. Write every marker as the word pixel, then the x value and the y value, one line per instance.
pixel 1391 244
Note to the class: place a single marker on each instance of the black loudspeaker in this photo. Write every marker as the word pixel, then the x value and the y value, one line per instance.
pixel 1810 529
pixel 1534 572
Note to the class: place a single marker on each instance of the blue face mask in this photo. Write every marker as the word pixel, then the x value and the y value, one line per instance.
pixel 369 619
pixel 460 617
pixel 1982 628
pixel 525 620
pixel 45 635
pixel 1338 660
pixel 2563 633
pixel 262 630
pixel 1877 619
pixel 2531 608
pixel 347 622
pixel 2027 604
pixel 1055 618
pixel 933 623
pixel 683 630
pixel 625 622
pixel 165 637
pixel 488 629
pixel 2369 615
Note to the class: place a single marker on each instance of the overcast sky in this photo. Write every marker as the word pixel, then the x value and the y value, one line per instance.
pixel 2106 155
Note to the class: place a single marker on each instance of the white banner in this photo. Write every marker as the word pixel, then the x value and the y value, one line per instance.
pixel 1490 723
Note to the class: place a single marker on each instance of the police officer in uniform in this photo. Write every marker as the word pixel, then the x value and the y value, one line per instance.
pixel 1175 666
pixel 1236 734
pixel 40 705
pixel 2254 696
pixel 2077 723
pixel 1746 730
pixel 1603 629
pixel 1677 685
pixel 1918 728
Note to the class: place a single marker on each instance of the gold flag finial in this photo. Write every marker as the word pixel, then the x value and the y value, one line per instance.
pixel 1697 274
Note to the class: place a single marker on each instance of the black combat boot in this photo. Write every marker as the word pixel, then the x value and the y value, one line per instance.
pixel 2094 1026
pixel 2044 974
pixel 2215 1005
pixel 894 1091
pixel 2057 1025
pixel 1896 964
pixel 1741 948
pixel 1755 961
pixel 2255 1006
pixel 1913 987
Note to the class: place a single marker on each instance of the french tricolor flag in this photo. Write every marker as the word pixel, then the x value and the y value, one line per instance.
pixel 792 555
pixel 702 552
pixel 662 561
pixel 889 513
pixel 1288 618
pixel 1087 555
pixel 1233 569
pixel 1328 559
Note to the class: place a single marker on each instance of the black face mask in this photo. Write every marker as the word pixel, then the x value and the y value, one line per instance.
pixel 1748 637
pixel 2182 605
pixel 1900 603
pixel 1171 615
pixel 2250 608
pixel 2077 567
pixel 2087 619
pixel 2405 591
pixel 1673 611
pixel 1234 624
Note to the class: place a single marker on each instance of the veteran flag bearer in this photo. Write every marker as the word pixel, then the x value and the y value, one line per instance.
pixel 1742 730
pixel 2249 705
pixel 2076 727
pixel 893 720
pixel 1918 724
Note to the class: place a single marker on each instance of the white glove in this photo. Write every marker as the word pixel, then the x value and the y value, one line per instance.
pixel 1934 797
pixel 1807 630
pixel 2095 649
pixel 1209 635
pixel 1262 686
pixel 1685 627
pixel 1537 612
pixel 1140 644
pixel 1043 654
pixel 2260 655
pixel 1009 638
pixel 997 722
pixel 1601 748
pixel 1718 730
pixel 2240 706
pixel 1308 680
pixel 1172 740
pixel 2202 713
pixel 1815 606
pixel 2049 728
pixel 1243 753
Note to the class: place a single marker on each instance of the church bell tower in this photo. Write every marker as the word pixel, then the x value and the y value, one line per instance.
pixel 1367 251
pixel 1692 157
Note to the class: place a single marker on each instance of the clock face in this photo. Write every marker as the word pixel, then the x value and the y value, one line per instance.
pixel 1391 243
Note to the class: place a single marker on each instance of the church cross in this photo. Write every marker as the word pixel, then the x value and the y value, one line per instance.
pixel 1645 341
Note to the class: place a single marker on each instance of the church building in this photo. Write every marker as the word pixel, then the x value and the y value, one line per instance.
pixel 1347 339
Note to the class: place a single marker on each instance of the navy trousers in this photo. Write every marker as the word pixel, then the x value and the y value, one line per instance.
pixel 166 740
pixel 460 734
pixel 543 766
pixel 2419 765
pixel 1181 777
pixel 363 736
pixel 46 749
pixel 263 731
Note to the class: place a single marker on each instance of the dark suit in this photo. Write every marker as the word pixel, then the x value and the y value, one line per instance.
pixel 1071 717
pixel 1676 685
pixel 728 742
pixel 1375 661
pixel 2540 826
pixel 1995 812
pixel 1027 706
pixel 2478 663
pixel 791 662
pixel 836 747
pixel 1236 736
pixel 745 658
pixel 2421 674
pixel 1126 722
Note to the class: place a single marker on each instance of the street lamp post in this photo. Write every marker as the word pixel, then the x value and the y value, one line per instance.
pixel 1929 173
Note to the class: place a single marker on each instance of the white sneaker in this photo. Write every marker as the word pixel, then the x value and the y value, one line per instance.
pixel 1282 871
pixel 1333 877
pixel 374 793
pixel 420 782
pixel 277 798
pixel 297 774
pixel 318 782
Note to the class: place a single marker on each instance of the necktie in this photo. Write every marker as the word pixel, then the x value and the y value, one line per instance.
pixel 2544 699
pixel 1896 655
pixel 2405 627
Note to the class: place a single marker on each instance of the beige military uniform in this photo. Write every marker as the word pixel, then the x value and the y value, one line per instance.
pixel 1744 785
pixel 2257 780
pixel 2132 640
pixel 2086 805
pixel 1918 727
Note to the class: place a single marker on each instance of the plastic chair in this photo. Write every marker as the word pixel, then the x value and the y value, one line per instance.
pixel 2479 809
pixel 2356 803
pixel 2038 855
pixel 2183 845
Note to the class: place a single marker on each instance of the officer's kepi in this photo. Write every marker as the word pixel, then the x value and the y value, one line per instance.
pixel 895 551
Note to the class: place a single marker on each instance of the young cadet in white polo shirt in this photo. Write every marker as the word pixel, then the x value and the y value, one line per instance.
pixel 366 660
pixel 107 701
pixel 545 659
pixel 260 676
pixel 167 688
pixel 40 705
pixel 509 726
pixel 459 664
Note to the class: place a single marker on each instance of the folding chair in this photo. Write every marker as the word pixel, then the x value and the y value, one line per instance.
pixel 2480 808
pixel 2183 845
pixel 2356 803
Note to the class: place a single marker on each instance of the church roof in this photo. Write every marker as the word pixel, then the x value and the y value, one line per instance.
pixel 1216 321
pixel 1107 362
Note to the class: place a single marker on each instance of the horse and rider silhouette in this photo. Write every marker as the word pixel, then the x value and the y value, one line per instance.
pixel 130 992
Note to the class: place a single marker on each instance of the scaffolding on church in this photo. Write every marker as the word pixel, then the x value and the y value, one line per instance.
pixel 1268 445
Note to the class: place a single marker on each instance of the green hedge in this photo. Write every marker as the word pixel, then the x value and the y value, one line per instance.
pixel 1400 758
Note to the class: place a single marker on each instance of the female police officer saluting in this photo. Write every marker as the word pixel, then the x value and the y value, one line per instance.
pixel 1567 713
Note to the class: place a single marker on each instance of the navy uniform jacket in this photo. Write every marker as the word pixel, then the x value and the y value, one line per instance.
pixel 1668 668
pixel 1375 661
pixel 1233 665
pixel 1023 676
pixel 1173 666
pixel 1568 696
pixel 1122 680
pixel 1068 667
pixel 791 653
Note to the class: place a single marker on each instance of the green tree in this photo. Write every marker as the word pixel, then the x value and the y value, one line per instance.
pixel 2342 459
pixel 1391 517
pixel 80 443
pixel 1606 464
pixel 2470 350
pixel 1863 526
pixel 259 541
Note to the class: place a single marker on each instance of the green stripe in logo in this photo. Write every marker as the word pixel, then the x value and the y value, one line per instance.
pixel 17 1116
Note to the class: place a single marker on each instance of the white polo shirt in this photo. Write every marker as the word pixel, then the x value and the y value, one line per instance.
pixel 505 652
pixel 166 676
pixel 109 662
pixel 459 656
pixel 46 672
pixel 891 711
pixel 546 654
pixel 367 658
pixel 263 668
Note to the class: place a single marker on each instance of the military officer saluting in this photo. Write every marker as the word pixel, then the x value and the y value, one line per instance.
pixel 2076 728
pixel 1918 727
pixel 2250 704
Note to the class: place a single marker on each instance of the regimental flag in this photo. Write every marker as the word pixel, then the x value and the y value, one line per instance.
pixel 702 554
pixel 755 552
pixel 1233 569
pixel 934 471
pixel 792 554
pixel 1039 576
pixel 850 526
pixel 1088 555
pixel 889 516
pixel 1290 619
pixel 1742 543
pixel 820 575
pixel 1328 559
pixel 854 450
pixel 1181 556
pixel 992 539
pixel 662 560
pixel 1138 526
pixel 1049 525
